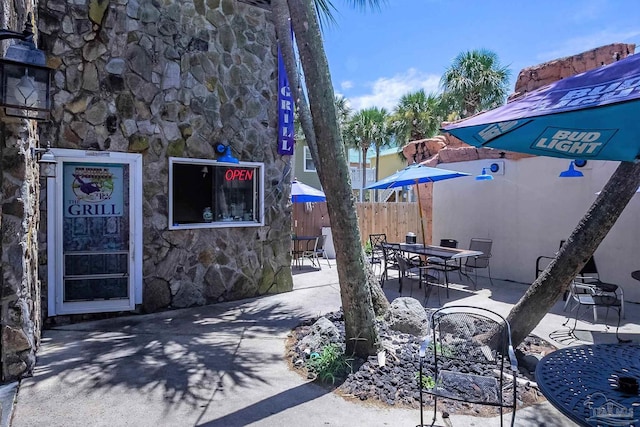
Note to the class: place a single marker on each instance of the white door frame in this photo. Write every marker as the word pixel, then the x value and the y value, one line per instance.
pixel 56 306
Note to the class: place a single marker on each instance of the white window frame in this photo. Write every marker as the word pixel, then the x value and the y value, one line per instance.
pixel 56 306
pixel 258 220
pixel 307 155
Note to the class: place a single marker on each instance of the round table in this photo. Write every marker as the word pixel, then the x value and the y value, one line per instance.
pixel 581 382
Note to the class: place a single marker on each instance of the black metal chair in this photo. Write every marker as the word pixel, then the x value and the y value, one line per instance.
pixel 390 254
pixel 482 261
pixel 445 267
pixel 320 250
pixel 407 270
pixel 589 296
pixel 311 252
pixel 376 258
pixel 468 357
pixel 589 275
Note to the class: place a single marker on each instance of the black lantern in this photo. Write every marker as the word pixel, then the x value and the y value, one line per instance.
pixel 24 77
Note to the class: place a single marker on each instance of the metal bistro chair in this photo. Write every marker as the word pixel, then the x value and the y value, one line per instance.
pixel 320 250
pixel 482 261
pixel 443 266
pixel 472 360
pixel 377 256
pixel 590 276
pixel 390 254
pixel 408 270
pixel 311 252
pixel 587 295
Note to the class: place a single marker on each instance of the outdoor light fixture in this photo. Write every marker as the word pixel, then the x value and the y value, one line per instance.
pixel 46 160
pixel 494 167
pixel 24 77
pixel 571 172
pixel 484 176
pixel 228 157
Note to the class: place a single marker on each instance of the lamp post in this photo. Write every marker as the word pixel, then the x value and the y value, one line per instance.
pixel 24 77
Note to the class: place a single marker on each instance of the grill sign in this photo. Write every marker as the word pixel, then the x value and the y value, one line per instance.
pixel 93 190
pixel 285 111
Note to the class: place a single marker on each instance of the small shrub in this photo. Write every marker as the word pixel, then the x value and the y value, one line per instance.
pixel 443 350
pixel 330 364
pixel 426 382
pixel 367 248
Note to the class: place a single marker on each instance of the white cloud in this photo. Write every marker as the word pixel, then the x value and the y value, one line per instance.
pixel 386 91
pixel 347 84
pixel 578 45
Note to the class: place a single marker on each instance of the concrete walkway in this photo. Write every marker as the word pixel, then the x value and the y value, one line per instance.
pixel 224 365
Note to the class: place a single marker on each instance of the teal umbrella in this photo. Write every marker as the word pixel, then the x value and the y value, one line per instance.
pixel 415 174
pixel 593 115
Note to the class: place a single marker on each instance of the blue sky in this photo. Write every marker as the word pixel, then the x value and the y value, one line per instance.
pixel 376 57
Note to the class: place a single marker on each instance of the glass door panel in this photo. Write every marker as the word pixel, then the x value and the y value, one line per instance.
pixel 96 232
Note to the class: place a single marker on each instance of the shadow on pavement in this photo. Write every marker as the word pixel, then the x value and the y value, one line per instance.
pixel 272 405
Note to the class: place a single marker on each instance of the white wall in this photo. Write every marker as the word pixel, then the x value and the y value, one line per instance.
pixel 528 210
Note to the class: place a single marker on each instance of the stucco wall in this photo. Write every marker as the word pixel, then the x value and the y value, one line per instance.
pixel 172 79
pixel 528 210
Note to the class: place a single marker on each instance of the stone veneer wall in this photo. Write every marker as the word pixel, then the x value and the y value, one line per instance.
pixel 171 78
pixel 19 221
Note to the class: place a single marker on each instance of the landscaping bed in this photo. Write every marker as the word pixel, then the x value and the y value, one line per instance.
pixel 394 383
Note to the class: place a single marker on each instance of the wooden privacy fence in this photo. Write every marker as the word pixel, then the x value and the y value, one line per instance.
pixel 393 219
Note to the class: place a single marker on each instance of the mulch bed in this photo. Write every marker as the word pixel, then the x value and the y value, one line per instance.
pixel 395 383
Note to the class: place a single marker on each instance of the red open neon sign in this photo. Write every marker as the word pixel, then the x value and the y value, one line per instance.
pixel 239 174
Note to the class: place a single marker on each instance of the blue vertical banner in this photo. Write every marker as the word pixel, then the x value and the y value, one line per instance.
pixel 286 128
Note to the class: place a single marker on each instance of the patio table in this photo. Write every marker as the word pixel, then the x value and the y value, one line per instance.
pixel 582 383
pixel 444 253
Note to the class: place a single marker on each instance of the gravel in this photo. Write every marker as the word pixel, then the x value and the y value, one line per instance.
pixel 395 383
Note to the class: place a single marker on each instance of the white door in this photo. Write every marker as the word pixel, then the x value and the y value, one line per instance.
pixel 94 208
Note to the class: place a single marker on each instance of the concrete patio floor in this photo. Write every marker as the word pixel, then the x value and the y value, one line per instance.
pixel 223 365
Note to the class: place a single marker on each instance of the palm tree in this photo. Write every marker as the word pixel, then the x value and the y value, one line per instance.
pixel 360 130
pixel 368 127
pixel 343 110
pixel 381 134
pixel 416 116
pixel 475 82
pixel 360 294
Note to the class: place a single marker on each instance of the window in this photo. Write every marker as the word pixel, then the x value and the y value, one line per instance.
pixel 209 194
pixel 309 166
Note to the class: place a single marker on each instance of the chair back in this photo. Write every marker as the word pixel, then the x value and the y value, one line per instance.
pixel 403 265
pixel 316 244
pixel 448 243
pixel 463 333
pixel 377 240
pixel 484 246
pixel 391 252
pixel 589 271
pixel 320 242
pixel 480 341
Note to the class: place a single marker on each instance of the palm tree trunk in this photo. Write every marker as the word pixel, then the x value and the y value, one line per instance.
pixel 547 289
pixel 360 333
pixel 282 22
pixel 364 172
pixel 378 170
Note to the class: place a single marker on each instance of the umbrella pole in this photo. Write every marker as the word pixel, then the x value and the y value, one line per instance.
pixel 424 242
